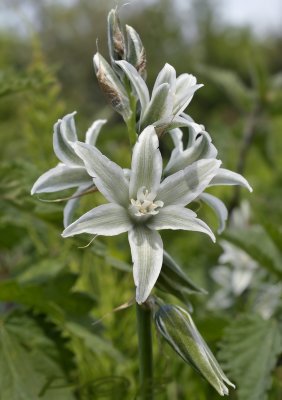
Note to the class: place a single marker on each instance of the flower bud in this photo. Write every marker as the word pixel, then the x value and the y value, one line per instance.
pixel 111 86
pixel 178 329
pixel 115 37
pixel 136 54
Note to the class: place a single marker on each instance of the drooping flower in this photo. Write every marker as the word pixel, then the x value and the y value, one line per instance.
pixel 143 204
pixel 170 97
pixel 199 147
pixel 70 172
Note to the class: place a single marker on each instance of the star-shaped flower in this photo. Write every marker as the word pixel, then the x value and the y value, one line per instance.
pixel 70 172
pixel 143 204
pixel 170 97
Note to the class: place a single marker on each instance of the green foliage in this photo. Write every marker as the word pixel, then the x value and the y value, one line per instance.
pixel 257 243
pixel 248 352
pixel 53 344
pixel 31 363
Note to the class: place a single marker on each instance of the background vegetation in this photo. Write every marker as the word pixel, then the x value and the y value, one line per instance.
pixel 53 343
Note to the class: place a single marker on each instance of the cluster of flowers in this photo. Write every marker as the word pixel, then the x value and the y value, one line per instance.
pixel 147 197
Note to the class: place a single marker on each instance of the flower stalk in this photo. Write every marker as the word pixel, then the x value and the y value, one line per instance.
pixel 144 331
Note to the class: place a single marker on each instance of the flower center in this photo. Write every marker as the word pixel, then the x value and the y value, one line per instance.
pixel 145 205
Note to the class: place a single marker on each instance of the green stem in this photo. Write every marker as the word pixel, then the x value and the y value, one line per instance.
pixel 145 352
pixel 131 121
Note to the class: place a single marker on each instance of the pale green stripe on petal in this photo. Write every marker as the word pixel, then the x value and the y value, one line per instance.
pixel 146 166
pixel 107 220
pixel 219 208
pixel 108 176
pixel 186 86
pixel 94 131
pixel 160 105
pixel 166 75
pixel 177 217
pixel 185 185
pixel 137 82
pixel 202 148
pixel 147 256
pixel 63 138
pixel 227 177
pixel 60 178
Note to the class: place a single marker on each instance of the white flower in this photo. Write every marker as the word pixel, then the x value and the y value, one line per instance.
pixel 143 204
pixel 70 172
pixel 200 146
pixel 170 97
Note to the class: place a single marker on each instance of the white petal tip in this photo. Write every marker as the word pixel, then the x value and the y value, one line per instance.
pixel 140 297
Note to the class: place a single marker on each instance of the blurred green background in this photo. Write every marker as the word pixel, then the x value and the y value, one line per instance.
pixel 51 290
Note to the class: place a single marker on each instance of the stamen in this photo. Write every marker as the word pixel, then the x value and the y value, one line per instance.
pixel 144 204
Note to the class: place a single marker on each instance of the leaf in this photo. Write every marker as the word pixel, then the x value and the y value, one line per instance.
pixel 249 352
pixel 53 297
pixel 29 368
pixel 173 280
pixel 256 242
pixel 92 341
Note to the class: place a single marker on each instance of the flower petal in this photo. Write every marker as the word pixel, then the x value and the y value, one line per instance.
pixel 137 82
pixel 219 208
pixel 227 177
pixel 72 204
pixel 185 88
pixel 93 131
pixel 107 219
pixel 201 148
pixel 177 217
pixel 185 185
pixel 176 136
pixel 60 178
pixel 168 123
pixel 160 105
pixel 147 256
pixel 146 166
pixel 63 138
pixel 108 176
pixel 166 75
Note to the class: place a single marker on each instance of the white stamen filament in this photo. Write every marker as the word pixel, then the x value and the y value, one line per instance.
pixel 145 205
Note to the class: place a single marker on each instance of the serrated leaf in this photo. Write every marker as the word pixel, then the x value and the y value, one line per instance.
pixel 256 242
pixel 28 363
pixel 249 353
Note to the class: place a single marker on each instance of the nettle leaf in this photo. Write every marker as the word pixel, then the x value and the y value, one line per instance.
pixel 257 243
pixel 29 362
pixel 249 353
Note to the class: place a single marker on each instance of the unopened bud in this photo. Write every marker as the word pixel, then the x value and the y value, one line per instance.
pixel 136 54
pixel 115 37
pixel 178 329
pixel 111 86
